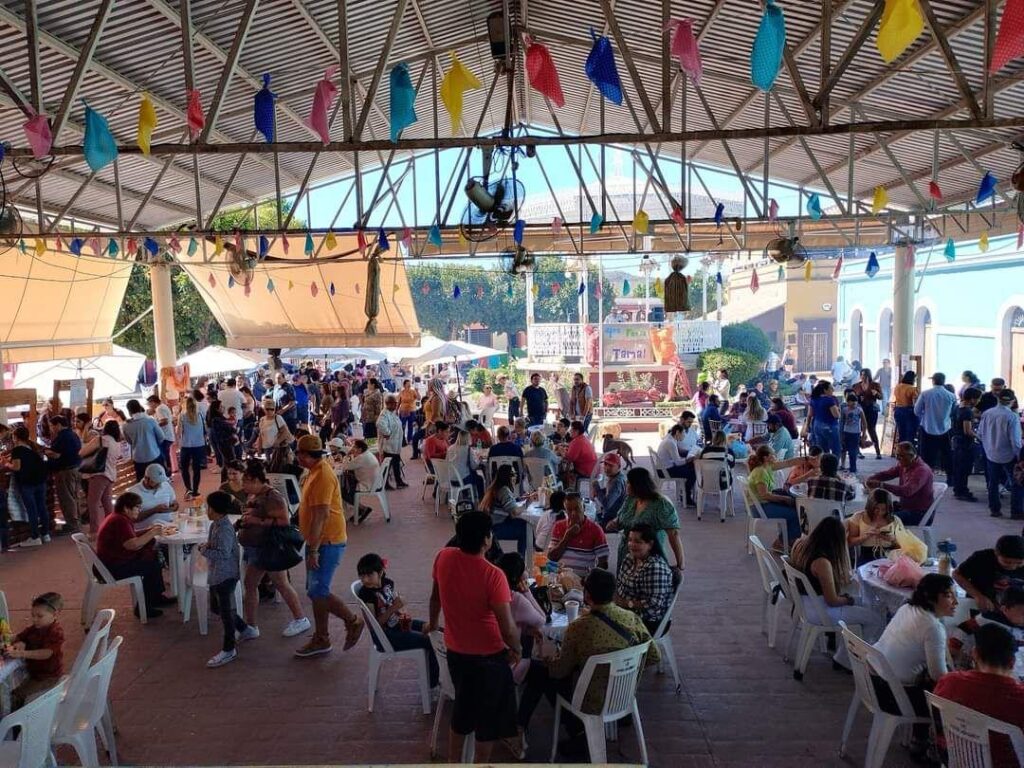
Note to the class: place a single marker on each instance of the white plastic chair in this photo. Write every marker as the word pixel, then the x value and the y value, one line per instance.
pixel 34 722
pixel 505 461
pixel 282 482
pixel 624 669
pixel 924 531
pixel 709 480
pixel 94 647
pixel 755 514
pixel 664 642
pixel 613 540
pixel 81 718
pixel 968 734
pixel 866 660
pixel 378 492
pixel 813 511
pixel 197 588
pixel 99 580
pixel 775 588
pixel 456 486
pixel 429 481
pixel 662 475
pixel 539 470
pixel 4 613
pixel 757 429
pixel 386 653
pixel 447 694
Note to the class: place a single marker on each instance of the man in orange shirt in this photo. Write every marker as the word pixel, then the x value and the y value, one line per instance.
pixel 322 523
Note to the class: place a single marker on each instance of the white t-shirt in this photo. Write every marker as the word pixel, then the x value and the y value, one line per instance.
pixel 164 412
pixel 914 642
pixel 365 467
pixel 230 397
pixel 270 429
pixel 162 494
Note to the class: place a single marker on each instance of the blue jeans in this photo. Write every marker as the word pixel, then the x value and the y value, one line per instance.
pixel 191 461
pixel 512 528
pixel 827 437
pixel 408 427
pixel 995 475
pixel 414 638
pixel 33 498
pixel 906 423
pixel 318 580
pixel 851 447
pixel 776 511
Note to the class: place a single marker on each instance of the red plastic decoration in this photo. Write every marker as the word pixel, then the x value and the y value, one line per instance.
pixel 1010 38
pixel 838 269
pixel 60 243
pixel 934 191
pixel 313 289
pixel 361 241
pixel 133 245
pixel 540 68
pixel 755 284
pixel 322 100
pixel 685 48
pixel 37 131
pixel 284 243
pixel 677 216
pixel 195 116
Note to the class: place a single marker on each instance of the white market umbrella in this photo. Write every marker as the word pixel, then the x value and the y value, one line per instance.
pixel 113 374
pixel 218 359
pixel 459 351
pixel 342 353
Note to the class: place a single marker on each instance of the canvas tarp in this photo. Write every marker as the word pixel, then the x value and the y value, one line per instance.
pixel 113 374
pixel 290 315
pixel 58 306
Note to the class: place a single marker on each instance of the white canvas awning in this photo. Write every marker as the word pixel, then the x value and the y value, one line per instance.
pixel 114 374
pixel 460 351
pixel 218 359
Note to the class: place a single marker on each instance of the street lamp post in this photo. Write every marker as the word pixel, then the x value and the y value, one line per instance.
pixel 647 266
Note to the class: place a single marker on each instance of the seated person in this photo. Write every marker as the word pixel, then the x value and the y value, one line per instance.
pixel 676 465
pixel 828 485
pixel 609 494
pixel 872 531
pixel 754 413
pixel 526 611
pixel 539 450
pixel 580 454
pixel 779 439
pixel 479 435
pixel 785 416
pixel 521 434
pixel 158 500
pixel 505 446
pixel 578 543
pixel 717 449
pixel 561 433
pixel 913 486
pixel 761 486
pixel 500 503
pixel 128 553
pixel 463 461
pixel 359 473
pixel 542 531
pixel 436 446
pixel 690 438
pixel 988 573
pixel 644 582
pixel 711 413
pixel 806 467
pixel 1009 614
pixel 991 688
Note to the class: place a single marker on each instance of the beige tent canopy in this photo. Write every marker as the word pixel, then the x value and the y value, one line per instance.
pixel 291 315
pixel 56 305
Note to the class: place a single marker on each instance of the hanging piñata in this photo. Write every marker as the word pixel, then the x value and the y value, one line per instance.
pixel 323 97
pixel 456 82
pixel 601 70
pixel 403 99
pixel 541 72
pixel 686 49
pixel 769 44
pixel 263 110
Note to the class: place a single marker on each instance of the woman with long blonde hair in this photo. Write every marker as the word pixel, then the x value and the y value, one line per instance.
pixel 191 434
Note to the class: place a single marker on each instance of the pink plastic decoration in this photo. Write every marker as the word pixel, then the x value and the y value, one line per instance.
pixel 407 238
pixel 685 48
pixel 838 269
pixel 755 284
pixel 361 241
pixel 239 242
pixel 540 68
pixel 773 209
pixel 37 131
pixel 313 289
pixel 174 244
pixel 1010 38
pixel 284 243
pixel 322 100
pixel 195 116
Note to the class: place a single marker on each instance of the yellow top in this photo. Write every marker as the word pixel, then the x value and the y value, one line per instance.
pixel 407 399
pixel 904 395
pixel 321 488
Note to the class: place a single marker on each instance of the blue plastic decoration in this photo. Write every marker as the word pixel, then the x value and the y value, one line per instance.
pixel 403 100
pixel 814 207
pixel 152 246
pixel 518 231
pixel 308 248
pixel 872 268
pixel 231 281
pixel 601 69
pixel 582 289
pixel 950 250
pixel 511 291
pixel 22 246
pixel 270 285
pixel 263 110
pixel 595 223
pixel 434 236
pixel 719 214
pixel 986 189
pixel 112 248
pixel 625 288
pixel 98 145
pixel 75 246
pixel 382 240
pixel 766 55
pixel 456 292
pixel 193 246
pixel 331 288
pixel 718 277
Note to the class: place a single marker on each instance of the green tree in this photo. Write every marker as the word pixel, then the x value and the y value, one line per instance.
pixel 748 338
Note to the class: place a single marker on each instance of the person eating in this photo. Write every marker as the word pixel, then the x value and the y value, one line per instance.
pixel 644 582
pixel 578 543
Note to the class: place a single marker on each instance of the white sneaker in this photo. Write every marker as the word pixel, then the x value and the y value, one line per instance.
pixel 46 539
pixel 31 543
pixel 296 627
pixel 249 633
pixel 222 658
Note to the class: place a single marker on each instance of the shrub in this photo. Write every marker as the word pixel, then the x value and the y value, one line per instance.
pixel 478 378
pixel 746 337
pixel 742 366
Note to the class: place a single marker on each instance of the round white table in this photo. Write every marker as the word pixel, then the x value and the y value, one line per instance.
pixel 13 673
pixel 192 530
pixel 878 592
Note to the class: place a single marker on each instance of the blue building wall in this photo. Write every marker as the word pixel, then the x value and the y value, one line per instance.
pixel 963 308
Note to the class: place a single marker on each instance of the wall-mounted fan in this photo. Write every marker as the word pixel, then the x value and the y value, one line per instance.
pixel 516 260
pixel 785 250
pixel 242 266
pixel 10 228
pixel 492 207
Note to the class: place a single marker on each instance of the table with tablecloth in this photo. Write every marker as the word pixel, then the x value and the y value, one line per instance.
pixel 13 673
pixel 885 596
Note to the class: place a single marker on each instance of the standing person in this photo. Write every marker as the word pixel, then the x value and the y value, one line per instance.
pixel 302 399
pixel 884 378
pixel 480 635
pixel 535 398
pixel 990 399
pixel 564 399
pixel 165 419
pixel 248 410
pixel 853 419
pixel 407 399
pixel 341 411
pixel 964 440
pixel 145 437
pixel 869 395
pixel 903 398
pixel 231 397
pixel 273 433
pixel 934 410
pixel 373 404
pixel 824 418
pixel 488 404
pixel 508 388
pixel 64 456
pixel 30 474
pixel 322 523
pixel 582 401
pixel 389 439
pixel 284 399
pixel 100 481
pixel 840 370
pixel 192 447
pixel 223 437
pixel 644 504
pixel 1000 433
pixel 721 385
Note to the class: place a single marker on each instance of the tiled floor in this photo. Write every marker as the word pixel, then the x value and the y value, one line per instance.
pixel 739 704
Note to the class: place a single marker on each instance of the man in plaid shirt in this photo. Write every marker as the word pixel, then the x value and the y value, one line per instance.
pixel 828 485
pixel 644 583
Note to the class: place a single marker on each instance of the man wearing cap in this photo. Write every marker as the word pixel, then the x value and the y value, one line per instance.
pixel 322 523
pixel 779 438
pixel 610 494
pixel 1000 434
pixel 158 500
pixel 934 410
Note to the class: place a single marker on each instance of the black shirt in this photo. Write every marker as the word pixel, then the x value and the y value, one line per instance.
pixel 33 469
pixel 536 399
pixel 982 569
pixel 962 414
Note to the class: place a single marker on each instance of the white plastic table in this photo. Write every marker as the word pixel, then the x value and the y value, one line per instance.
pixel 880 593
pixel 13 673
pixel 191 531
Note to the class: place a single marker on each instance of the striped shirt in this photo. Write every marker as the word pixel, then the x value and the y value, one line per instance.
pixel 585 549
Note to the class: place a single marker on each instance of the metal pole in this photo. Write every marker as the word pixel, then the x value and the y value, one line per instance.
pixel 600 330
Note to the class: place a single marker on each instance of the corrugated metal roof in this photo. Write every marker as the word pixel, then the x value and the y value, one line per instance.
pixel 295 41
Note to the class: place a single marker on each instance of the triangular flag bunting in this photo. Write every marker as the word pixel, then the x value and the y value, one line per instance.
pixel 94 243
pixel 239 242
pixel 601 70
pixel 40 246
pixel 641 222
pixel 541 72
pixel 133 246
pixel 950 250
pixel 193 246
pixel 291 284
pixel 686 49
pixel 1010 38
pixel 456 82
pixel 195 117
pixel 814 207
pixel 879 201
pixel 151 245
pixel 595 223
pixel 112 248
pixel 407 239
pixel 434 235
pixel 986 189
pixel 308 248
pixel 98 144
pixel 147 122
pixel 755 284
pixel 263 110
pixel 323 97
pixel 403 100
pixel 983 242
pixel 873 266
pixel 37 131
pixel 900 26
pixel 382 240
pixel 808 270
pixel 360 241
pixel 769 44
pixel 718 277
pixel 60 243
pixel 838 269
pixel 330 241
pixel 22 247
pixel 174 244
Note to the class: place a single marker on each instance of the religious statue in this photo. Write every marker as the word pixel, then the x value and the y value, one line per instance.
pixel 677 292
pixel 593 344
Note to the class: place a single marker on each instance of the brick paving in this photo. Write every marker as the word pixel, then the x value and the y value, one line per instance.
pixel 739 704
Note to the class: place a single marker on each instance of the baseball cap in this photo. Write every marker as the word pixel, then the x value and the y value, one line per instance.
pixel 338 442
pixel 310 444
pixel 612 458
pixel 155 473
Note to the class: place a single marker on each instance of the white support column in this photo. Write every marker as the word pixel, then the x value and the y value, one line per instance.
pixel 163 315
pixel 902 305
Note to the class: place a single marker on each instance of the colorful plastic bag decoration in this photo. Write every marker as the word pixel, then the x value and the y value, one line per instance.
pixel 407 239
pixel 719 214
pixel 195 117
pixel 331 288
pixel 211 280
pixel 284 243
pixel 456 292
pixel 193 246
pixel 838 268
pixel 641 222
pixel 330 241
pixel 541 72
pixel 625 288
pixel 600 68
pixel 270 285
pixel 950 250
pixel 556 226
pixel 434 235
pixel 814 207
pixel 75 246
pixel 986 189
pixel 174 244
pixel 147 122
pixel 112 248
pixel 308 247
pixel 231 281
pixel 766 55
pixel 37 131
pixel 595 223
pixel 40 246
pixel 457 80
pixel 808 270
pixel 686 49
pixel 323 97
pixel 773 209
pixel 873 266
pixel 313 289
pixel 152 246
pixel 382 240
pixel 983 242
pixel 263 110
pixel 582 289
pixel 879 201
pixel 264 248
pixel 98 146
pixel 1010 38
pixel 900 25
pixel 96 245
pixel 935 191
pixel 755 284
pixel 403 99
pixel 677 215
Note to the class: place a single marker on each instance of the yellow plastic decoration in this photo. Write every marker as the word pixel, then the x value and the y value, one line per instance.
pixel 218 245
pixel 641 222
pixel 462 238
pixel 41 246
pixel 982 242
pixel 291 285
pixel 536 290
pixel 900 26
pixel 808 270
pixel 457 81
pixel 330 241
pixel 147 123
pixel 880 200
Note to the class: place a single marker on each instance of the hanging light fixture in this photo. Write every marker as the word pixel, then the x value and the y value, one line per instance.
pixel 497 34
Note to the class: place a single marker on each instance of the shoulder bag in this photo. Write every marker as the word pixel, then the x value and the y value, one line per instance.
pixel 281 548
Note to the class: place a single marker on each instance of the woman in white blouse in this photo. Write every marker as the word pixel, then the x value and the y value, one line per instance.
pixel 914 643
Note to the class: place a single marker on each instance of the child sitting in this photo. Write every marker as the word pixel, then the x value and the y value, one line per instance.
pixel 222 553
pixel 379 593
pixel 41 645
